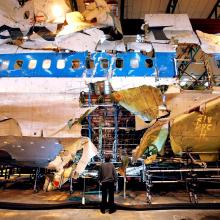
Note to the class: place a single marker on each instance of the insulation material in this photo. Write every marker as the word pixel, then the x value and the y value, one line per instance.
pixel 75 22
pixel 210 42
pixel 99 11
pixel 89 151
pixel 140 124
pixel 153 140
pixel 143 101
pixel 123 168
pixel 74 145
pixel 50 11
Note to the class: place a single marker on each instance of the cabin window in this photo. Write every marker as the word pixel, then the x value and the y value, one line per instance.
pixel 90 64
pixel 60 64
pixel 149 63
pixel 134 63
pixel 32 64
pixel 104 63
pixel 119 63
pixel 18 64
pixel 75 64
pixel 218 63
pixel 4 65
pixel 46 64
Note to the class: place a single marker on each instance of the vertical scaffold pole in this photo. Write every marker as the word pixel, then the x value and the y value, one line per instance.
pixel 100 149
pixel 89 116
pixel 115 144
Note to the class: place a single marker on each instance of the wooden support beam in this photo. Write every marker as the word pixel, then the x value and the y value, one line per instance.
pixel 75 5
pixel 171 6
pixel 215 11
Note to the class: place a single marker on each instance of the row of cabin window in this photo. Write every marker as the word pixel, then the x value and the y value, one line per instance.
pixel 134 63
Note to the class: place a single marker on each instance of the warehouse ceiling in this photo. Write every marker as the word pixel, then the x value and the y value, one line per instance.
pixel 136 9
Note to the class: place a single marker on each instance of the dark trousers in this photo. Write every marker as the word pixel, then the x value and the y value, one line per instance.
pixel 108 190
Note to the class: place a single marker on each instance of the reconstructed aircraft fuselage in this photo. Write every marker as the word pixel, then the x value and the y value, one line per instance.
pixel 44 68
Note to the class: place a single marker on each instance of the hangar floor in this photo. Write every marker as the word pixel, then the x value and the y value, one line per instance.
pixel 122 215
pixel 133 198
pixel 17 203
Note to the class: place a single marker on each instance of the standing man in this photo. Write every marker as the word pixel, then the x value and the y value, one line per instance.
pixel 107 178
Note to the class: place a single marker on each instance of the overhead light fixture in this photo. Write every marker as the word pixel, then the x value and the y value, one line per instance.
pixel 57 11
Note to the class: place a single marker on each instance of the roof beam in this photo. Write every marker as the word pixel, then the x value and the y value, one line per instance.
pixel 171 6
pixel 211 26
pixel 75 5
pixel 215 11
pixel 122 10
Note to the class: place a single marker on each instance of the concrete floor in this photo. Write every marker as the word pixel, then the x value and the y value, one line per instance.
pixel 27 196
pixel 132 197
pixel 69 214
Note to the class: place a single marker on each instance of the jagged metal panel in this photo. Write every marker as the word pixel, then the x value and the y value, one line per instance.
pixel 39 71
pixel 31 151
pixel 198 131
pixel 143 101
pixel 209 42
pixel 165 64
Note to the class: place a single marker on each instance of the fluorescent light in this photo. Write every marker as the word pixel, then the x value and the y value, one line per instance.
pixel 57 11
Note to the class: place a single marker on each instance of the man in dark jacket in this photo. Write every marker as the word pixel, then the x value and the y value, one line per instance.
pixel 107 179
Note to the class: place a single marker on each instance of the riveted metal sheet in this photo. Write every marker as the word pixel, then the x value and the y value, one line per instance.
pixel 134 65
pixel 52 71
